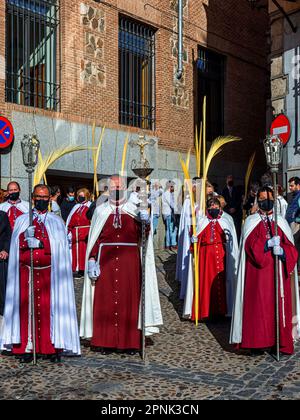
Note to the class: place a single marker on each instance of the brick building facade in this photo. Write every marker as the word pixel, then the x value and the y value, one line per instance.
pixel 285 77
pixel 88 74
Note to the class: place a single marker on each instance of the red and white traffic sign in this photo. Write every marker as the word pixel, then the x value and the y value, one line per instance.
pixel 281 127
pixel 6 133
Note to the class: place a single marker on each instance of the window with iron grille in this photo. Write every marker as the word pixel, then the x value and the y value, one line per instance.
pixel 136 74
pixel 210 74
pixel 31 53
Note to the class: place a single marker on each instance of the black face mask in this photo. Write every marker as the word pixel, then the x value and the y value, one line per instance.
pixel 214 213
pixel 230 184
pixel 117 195
pixel 41 205
pixel 14 196
pixel 81 199
pixel 266 205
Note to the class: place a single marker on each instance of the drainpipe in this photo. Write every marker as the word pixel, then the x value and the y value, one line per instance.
pixel 180 40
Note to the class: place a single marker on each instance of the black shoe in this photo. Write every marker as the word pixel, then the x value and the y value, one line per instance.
pixel 7 353
pixel 26 358
pixel 131 352
pixel 106 352
pixel 256 352
pixel 54 358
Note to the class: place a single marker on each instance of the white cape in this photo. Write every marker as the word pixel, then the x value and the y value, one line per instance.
pixel 74 209
pixel 237 319
pixel 63 319
pixel 232 252
pixel 23 206
pixel 153 316
pixel 184 257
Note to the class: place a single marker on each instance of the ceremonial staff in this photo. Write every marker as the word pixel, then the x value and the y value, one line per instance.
pixel 142 170
pixel 274 151
pixel 30 149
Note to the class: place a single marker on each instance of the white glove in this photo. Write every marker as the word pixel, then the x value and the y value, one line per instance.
pixel 93 270
pixel 29 233
pixel 33 243
pixel 278 251
pixel 275 241
pixel 194 239
pixel 144 216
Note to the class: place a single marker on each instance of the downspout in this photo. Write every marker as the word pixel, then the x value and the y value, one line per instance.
pixel 179 72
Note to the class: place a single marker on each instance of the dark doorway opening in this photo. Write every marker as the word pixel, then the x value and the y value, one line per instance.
pixel 209 83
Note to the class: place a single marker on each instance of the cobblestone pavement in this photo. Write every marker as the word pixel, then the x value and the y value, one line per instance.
pixel 184 362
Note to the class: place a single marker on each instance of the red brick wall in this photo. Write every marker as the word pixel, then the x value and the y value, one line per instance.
pixel 228 27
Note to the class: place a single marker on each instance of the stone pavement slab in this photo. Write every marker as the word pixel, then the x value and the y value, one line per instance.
pixel 183 363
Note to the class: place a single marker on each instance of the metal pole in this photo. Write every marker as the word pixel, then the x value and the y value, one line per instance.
pixel 180 40
pixel 31 284
pixel 276 271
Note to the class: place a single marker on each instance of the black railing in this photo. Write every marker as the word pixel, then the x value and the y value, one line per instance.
pixel 136 74
pixel 32 59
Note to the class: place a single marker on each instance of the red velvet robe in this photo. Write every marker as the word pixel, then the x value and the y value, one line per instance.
pixel 79 226
pixel 13 214
pixel 42 289
pixel 259 329
pixel 212 273
pixel 118 289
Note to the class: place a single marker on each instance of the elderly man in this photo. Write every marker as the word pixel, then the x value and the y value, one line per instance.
pixel 110 316
pixel 14 206
pixel 55 315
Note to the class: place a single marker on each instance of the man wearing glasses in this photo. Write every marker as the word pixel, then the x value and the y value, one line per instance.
pixel 55 311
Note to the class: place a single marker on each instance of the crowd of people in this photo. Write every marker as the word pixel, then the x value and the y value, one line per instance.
pixel 99 240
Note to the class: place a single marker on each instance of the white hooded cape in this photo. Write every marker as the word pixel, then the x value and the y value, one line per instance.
pixel 232 252
pixel 153 316
pixel 63 319
pixel 74 209
pixel 184 257
pixel 237 320
pixel 23 206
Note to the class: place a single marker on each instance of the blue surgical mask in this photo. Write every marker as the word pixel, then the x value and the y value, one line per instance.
pixel 71 198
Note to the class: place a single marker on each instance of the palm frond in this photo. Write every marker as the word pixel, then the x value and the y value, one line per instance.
pixel 204 134
pixel 249 172
pixel 45 164
pixel 40 161
pixel 215 149
pixel 188 159
pixel 96 159
pixel 194 228
pixel 124 154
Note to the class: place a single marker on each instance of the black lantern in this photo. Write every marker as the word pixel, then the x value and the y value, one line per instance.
pixel 274 152
pixel 30 150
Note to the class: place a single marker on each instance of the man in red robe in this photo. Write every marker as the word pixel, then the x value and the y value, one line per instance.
pixel 56 326
pixel 78 226
pixel 217 253
pixel 14 206
pixel 112 290
pixel 253 324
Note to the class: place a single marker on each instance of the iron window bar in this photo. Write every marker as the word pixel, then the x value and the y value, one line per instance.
pixel 137 74
pixel 31 53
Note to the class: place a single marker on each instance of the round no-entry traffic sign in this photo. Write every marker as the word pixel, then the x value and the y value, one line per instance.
pixel 6 133
pixel 281 127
